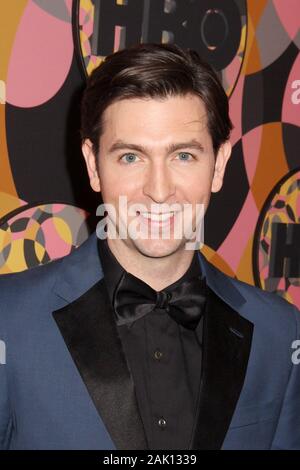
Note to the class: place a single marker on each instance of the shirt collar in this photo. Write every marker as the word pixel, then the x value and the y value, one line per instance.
pixel 113 270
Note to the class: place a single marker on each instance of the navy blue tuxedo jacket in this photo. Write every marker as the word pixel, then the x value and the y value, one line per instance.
pixel 66 384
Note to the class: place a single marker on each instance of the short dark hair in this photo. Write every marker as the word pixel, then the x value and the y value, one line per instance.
pixel 153 71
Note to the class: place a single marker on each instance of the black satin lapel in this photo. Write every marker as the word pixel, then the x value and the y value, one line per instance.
pixel 226 348
pixel 90 333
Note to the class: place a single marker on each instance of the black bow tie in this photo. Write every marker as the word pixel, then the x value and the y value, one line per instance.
pixel 185 303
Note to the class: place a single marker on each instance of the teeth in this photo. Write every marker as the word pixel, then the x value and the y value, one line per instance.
pixel 157 217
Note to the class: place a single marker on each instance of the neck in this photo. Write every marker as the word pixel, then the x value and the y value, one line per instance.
pixel 157 272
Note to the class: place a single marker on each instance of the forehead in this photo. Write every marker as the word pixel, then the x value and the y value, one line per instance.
pixel 155 119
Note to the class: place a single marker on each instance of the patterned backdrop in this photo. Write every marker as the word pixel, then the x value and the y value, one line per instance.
pixel 48 47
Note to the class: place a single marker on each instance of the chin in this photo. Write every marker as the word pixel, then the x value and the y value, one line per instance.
pixel 157 248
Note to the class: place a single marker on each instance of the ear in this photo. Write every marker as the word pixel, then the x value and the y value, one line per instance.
pixel 90 160
pixel 222 158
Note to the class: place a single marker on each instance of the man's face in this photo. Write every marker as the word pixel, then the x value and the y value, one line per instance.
pixel 158 153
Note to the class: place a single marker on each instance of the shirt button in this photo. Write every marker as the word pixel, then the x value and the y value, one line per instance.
pixel 162 423
pixel 158 354
pixel 169 295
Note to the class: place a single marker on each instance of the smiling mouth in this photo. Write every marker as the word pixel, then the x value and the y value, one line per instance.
pixel 161 217
pixel 157 218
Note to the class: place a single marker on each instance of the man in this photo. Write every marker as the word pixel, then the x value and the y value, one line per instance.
pixel 136 342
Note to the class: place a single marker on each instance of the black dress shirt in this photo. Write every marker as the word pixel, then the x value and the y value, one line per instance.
pixel 164 359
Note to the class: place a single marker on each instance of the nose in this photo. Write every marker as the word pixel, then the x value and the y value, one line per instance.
pixel 159 184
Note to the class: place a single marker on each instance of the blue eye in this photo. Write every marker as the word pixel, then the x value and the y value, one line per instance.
pixel 185 155
pixel 129 157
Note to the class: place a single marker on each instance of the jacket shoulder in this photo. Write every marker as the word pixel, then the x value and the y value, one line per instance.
pixel 31 291
pixel 18 290
pixel 268 309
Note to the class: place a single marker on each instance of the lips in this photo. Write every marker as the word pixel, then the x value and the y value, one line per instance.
pixel 160 220
pixel 162 217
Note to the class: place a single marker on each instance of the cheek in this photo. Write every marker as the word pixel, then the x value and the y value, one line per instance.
pixel 113 184
pixel 198 186
pixel 108 177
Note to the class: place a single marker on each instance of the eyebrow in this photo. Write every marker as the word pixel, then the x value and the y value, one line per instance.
pixel 121 145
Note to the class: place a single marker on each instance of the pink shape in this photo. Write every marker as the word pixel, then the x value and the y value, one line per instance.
pixel 87 47
pixel 261 258
pixel 18 235
pixel 82 16
pixel 251 147
pixel 232 70
pixel 236 241
pixel 88 27
pixel 294 292
pixel 55 208
pixel 69 4
pixel 264 273
pixel 235 110
pixel 291 110
pixel 55 246
pixel 27 214
pixel 41 58
pixel 289 14
pixel 118 30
